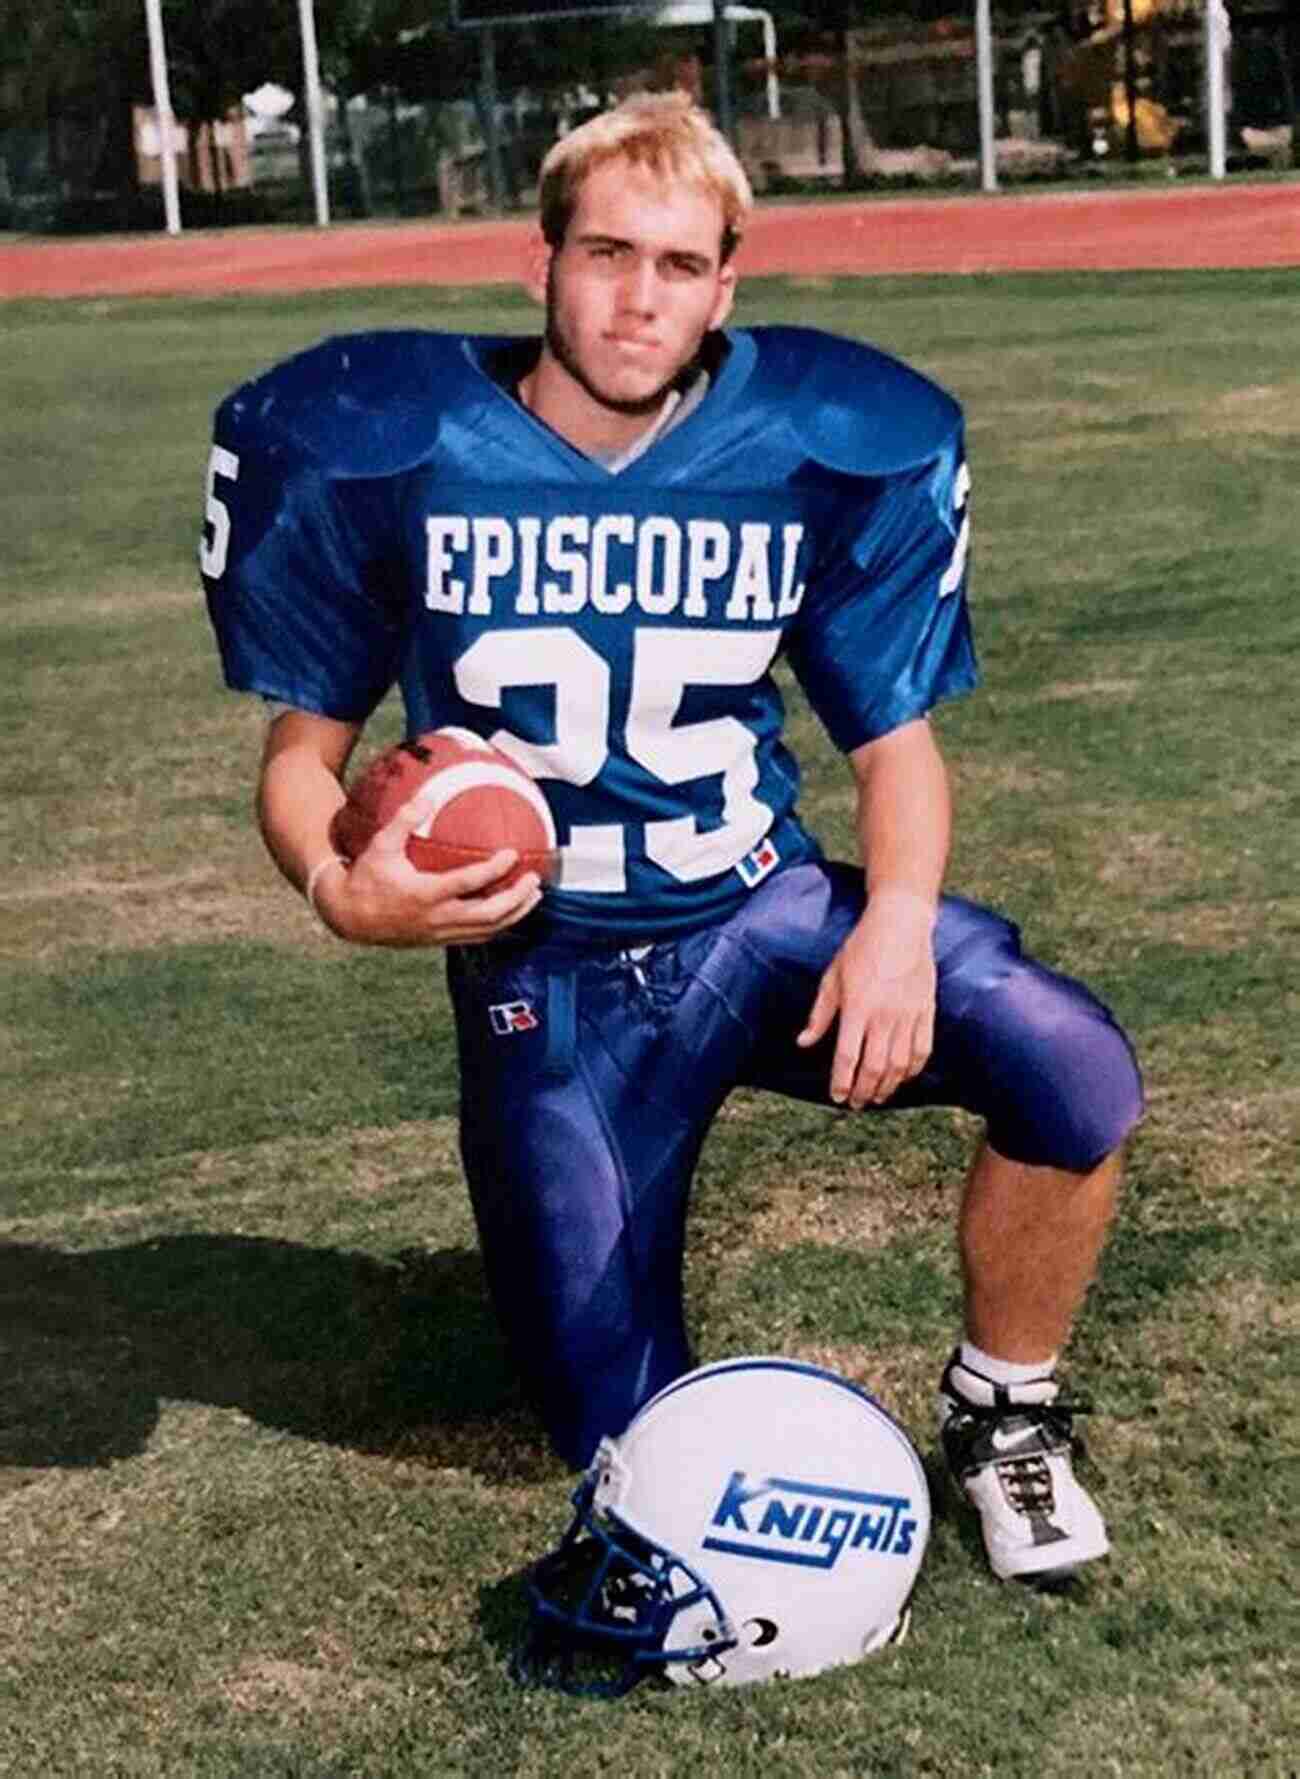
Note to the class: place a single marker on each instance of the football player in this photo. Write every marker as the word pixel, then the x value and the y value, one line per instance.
pixel 592 549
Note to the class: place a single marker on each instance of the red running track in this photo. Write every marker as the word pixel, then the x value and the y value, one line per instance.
pixel 1175 229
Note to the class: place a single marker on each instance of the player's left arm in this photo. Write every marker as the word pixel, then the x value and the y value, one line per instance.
pixel 880 985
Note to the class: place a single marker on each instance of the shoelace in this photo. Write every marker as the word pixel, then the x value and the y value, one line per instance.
pixel 1027 1483
pixel 1026 1479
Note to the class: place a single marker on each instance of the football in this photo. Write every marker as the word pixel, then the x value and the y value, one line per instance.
pixel 475 800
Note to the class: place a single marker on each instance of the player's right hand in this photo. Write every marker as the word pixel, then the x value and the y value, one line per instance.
pixel 382 899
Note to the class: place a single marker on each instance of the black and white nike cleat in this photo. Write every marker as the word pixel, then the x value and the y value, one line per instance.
pixel 1010 1452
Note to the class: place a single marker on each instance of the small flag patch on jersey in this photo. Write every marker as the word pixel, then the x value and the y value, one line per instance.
pixel 512 1016
pixel 755 866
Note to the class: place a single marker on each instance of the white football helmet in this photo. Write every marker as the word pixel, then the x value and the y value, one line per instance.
pixel 758 1517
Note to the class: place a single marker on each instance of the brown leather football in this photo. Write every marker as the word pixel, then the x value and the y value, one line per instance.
pixel 475 801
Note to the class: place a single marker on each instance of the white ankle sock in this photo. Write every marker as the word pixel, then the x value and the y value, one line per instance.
pixel 1004 1371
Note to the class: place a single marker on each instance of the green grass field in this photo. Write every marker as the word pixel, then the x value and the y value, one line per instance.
pixel 266 1487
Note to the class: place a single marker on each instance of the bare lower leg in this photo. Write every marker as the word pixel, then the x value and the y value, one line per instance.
pixel 1030 1239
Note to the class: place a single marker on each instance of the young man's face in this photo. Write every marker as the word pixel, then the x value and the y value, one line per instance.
pixel 633 288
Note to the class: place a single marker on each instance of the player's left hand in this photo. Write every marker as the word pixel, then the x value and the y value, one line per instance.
pixel 881 986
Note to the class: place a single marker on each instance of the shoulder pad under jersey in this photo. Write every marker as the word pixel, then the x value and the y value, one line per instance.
pixel 852 407
pixel 365 404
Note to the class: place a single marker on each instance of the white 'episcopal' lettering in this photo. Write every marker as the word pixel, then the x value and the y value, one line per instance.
pixel 660 565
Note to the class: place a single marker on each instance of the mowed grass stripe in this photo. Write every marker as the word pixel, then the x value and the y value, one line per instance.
pixel 367 1178
pixel 137 1054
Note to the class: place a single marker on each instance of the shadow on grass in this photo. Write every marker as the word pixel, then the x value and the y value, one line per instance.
pixel 401 1355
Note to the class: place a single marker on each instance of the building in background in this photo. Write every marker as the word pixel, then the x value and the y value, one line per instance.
pixel 212 157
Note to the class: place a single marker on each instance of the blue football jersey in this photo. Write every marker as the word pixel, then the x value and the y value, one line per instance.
pixel 381 510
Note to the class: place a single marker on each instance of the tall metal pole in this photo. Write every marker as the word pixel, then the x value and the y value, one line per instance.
pixel 315 110
pixel 769 56
pixel 722 71
pixel 1216 48
pixel 984 80
pixel 162 105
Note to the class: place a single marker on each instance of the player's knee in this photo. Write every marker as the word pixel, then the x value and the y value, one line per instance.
pixel 1068 1086
pixel 1101 1095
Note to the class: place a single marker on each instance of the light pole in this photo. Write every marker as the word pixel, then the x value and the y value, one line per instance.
pixel 722 70
pixel 162 105
pixel 1217 35
pixel 984 85
pixel 315 110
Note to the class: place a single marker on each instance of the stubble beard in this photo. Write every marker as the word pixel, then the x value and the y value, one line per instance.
pixel 633 407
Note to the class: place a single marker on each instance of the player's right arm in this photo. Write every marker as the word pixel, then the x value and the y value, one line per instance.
pixel 381 899
pixel 299 511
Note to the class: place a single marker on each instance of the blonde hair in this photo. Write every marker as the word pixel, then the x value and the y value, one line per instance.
pixel 667 134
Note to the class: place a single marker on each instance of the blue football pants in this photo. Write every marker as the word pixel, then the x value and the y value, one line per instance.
pixel 590 1076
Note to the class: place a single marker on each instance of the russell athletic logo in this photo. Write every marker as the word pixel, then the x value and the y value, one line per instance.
pixel 783 1521
pixel 512 1016
pixel 760 863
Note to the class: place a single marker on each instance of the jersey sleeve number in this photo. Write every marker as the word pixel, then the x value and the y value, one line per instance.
pixel 664 663
pixel 214 547
pixel 956 569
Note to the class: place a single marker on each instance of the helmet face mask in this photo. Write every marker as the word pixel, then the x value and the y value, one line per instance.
pixel 757 1518
pixel 604 1607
